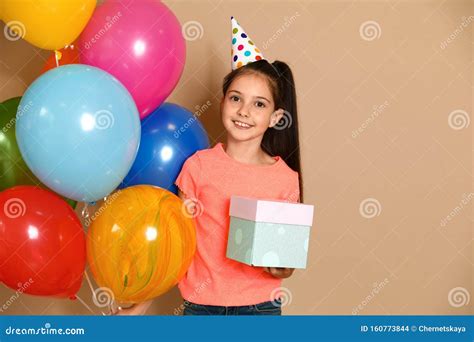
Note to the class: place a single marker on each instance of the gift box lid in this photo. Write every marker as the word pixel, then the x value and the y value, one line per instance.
pixel 271 211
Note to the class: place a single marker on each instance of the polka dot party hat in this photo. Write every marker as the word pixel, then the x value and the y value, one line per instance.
pixel 243 49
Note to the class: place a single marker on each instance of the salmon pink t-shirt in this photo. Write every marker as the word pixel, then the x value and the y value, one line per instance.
pixel 212 176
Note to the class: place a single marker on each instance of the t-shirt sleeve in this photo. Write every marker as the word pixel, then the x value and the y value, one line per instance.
pixel 188 178
pixel 292 188
pixel 296 188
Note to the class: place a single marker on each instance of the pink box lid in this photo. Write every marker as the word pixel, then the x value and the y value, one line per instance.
pixel 271 211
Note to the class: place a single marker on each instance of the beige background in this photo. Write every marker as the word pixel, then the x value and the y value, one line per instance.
pixel 385 115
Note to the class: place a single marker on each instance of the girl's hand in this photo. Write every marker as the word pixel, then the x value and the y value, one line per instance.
pixel 131 311
pixel 134 310
pixel 279 272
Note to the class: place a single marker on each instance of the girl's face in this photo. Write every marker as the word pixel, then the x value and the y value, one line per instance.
pixel 248 108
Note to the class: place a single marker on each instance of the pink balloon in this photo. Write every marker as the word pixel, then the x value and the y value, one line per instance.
pixel 141 44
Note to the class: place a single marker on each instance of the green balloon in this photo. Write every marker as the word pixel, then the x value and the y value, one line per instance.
pixel 13 169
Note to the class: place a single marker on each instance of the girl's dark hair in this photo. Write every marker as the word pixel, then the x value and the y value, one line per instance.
pixel 282 139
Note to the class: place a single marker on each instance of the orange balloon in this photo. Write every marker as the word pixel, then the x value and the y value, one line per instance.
pixel 140 243
pixel 68 55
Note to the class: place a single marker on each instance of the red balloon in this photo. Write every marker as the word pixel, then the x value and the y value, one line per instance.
pixel 69 55
pixel 42 243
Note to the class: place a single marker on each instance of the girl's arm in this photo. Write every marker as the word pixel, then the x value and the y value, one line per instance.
pixel 181 195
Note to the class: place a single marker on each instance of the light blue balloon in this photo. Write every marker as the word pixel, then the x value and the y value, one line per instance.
pixel 78 130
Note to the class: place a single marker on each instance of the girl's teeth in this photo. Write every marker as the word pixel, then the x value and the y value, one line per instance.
pixel 241 124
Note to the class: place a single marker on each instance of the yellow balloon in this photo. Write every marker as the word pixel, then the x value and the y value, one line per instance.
pixel 47 24
pixel 140 243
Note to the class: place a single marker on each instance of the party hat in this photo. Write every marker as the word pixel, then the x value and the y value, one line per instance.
pixel 243 50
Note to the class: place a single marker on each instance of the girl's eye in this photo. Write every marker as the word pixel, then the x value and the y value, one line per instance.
pixel 259 104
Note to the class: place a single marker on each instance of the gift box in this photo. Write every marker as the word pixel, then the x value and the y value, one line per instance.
pixel 269 233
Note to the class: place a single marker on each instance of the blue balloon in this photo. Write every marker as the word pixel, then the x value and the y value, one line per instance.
pixel 170 135
pixel 78 130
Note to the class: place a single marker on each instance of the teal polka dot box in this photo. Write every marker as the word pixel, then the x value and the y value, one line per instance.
pixel 269 233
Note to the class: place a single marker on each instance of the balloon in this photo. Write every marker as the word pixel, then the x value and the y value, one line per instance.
pixel 142 45
pixel 170 135
pixel 78 131
pixel 47 24
pixel 13 170
pixel 141 244
pixel 68 55
pixel 42 243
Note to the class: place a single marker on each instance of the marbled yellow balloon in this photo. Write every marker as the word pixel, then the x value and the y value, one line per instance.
pixel 140 243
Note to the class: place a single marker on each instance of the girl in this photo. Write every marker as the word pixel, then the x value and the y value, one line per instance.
pixel 260 159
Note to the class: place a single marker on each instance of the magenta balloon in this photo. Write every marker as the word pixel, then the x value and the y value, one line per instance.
pixel 141 45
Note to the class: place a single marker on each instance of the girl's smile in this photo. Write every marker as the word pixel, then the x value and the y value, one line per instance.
pixel 242 125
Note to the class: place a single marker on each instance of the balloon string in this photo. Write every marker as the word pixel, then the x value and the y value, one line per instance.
pixel 111 307
pixel 90 284
pixel 84 303
pixel 85 211
pixel 57 56
pixel 94 295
